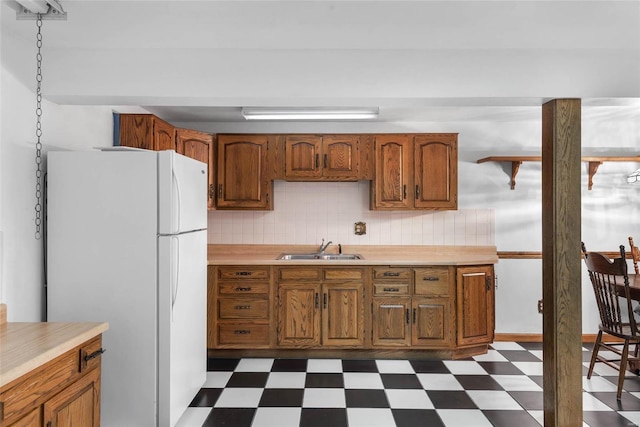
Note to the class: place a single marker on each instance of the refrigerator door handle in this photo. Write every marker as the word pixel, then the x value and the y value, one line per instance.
pixel 177 205
pixel 175 282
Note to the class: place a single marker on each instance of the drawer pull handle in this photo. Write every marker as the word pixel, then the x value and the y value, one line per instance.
pixel 243 289
pixel 407 315
pixel 243 307
pixel 391 289
pixel 242 332
pixel 390 274
pixel 431 278
pixel 243 273
pixel 95 354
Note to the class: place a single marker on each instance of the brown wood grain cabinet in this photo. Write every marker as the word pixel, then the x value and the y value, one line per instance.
pixel 413 307
pixel 239 307
pixel 146 131
pixel 320 306
pixel 62 392
pixel 475 305
pixel 322 157
pixel 199 146
pixel 441 308
pixel 415 171
pixel 243 178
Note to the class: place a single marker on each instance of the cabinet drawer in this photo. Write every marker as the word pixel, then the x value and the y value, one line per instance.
pixel 243 273
pixel 243 333
pixel 243 308
pixel 243 288
pixel 431 281
pixel 91 354
pixel 343 274
pixel 386 273
pixel 299 273
pixel 391 289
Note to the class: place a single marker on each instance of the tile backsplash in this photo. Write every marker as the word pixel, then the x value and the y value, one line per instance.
pixel 307 212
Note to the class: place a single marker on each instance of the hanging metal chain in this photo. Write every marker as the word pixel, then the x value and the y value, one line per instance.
pixel 38 206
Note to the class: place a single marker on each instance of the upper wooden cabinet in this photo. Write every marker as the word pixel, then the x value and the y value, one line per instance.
pixel 199 146
pixel 243 179
pixel 436 171
pixel 146 131
pixel 322 157
pixel 429 181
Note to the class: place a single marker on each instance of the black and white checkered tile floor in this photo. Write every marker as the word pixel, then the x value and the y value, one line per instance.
pixel 501 388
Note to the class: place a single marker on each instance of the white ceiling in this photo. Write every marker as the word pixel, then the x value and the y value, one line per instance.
pixel 193 61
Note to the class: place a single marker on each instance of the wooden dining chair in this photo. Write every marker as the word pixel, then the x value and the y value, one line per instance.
pixel 635 254
pixel 611 289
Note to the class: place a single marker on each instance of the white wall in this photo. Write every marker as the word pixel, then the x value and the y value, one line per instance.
pixel 66 127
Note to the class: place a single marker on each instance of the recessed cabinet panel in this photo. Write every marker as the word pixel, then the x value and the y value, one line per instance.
pixel 391 321
pixel 340 156
pixel 475 305
pixel 392 182
pixel 298 315
pixel 343 314
pixel 436 171
pixel 303 156
pixel 431 318
pixel 242 172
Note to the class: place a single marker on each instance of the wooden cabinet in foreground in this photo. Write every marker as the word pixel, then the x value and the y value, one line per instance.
pixel 243 180
pixel 62 392
pixel 415 171
pixel 322 157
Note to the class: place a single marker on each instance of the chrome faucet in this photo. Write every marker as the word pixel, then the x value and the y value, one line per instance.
pixel 323 247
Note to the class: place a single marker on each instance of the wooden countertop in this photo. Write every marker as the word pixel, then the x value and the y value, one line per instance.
pixel 373 255
pixel 25 346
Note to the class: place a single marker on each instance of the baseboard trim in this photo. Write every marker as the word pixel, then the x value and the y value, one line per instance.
pixel 538 337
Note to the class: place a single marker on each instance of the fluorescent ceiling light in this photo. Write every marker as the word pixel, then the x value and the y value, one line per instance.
pixel 310 113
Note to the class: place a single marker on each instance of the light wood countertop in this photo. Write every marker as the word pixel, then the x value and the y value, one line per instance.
pixel 25 346
pixel 373 255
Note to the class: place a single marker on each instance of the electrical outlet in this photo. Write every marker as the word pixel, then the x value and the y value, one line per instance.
pixel 360 228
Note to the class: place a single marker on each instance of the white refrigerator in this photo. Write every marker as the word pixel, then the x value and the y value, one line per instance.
pixel 127 244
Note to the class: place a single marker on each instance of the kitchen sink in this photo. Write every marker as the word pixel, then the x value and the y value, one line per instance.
pixel 332 257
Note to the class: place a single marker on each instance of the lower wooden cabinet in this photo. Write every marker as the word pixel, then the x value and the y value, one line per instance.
pixel 311 307
pixel 312 312
pixel 239 307
pixel 475 307
pixel 62 392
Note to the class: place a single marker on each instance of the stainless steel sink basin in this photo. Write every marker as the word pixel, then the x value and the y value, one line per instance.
pixel 331 257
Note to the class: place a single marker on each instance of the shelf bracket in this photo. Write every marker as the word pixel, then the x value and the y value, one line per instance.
pixel 515 167
pixel 593 168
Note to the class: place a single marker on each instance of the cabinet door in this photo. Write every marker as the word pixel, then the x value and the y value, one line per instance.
pixel 163 135
pixel 391 187
pixel 343 314
pixel 431 322
pixel 303 156
pixel 76 405
pixel 475 305
pixel 242 172
pixel 391 321
pixel 199 146
pixel 298 315
pixel 146 131
pixel 436 171
pixel 340 156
